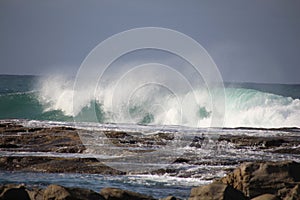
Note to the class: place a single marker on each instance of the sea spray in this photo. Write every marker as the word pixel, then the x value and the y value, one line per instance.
pixel 50 98
pixel 154 105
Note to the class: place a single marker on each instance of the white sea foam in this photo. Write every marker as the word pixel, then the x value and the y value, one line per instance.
pixel 156 105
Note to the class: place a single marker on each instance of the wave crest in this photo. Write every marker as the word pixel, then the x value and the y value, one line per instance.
pixel 154 105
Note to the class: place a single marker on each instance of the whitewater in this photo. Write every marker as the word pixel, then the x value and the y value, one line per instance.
pixel 246 105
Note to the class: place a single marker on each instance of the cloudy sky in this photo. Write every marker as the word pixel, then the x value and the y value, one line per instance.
pixel 250 41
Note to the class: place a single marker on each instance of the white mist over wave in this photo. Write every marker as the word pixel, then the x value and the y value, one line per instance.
pixel 56 93
pixel 252 108
pixel 153 104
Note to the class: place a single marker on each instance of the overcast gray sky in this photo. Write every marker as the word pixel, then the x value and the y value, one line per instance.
pixel 250 40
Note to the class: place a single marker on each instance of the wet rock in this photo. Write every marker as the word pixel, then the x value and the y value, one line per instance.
pixel 35 193
pixel 266 197
pixel 56 192
pixel 294 193
pixel 56 165
pixel 55 139
pixel 259 141
pixel 197 141
pixel 287 150
pixel 11 192
pixel 81 193
pixel 64 140
pixel 114 134
pixel 52 192
pixel 119 194
pixel 164 171
pixel 216 191
pixel 181 160
pixel 7 146
pixel 137 139
pixel 258 178
pixel 274 142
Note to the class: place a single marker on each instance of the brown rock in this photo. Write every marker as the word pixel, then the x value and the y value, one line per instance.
pixel 55 139
pixel 56 165
pixel 288 150
pixel 255 179
pixel 81 193
pixel 216 191
pixel 56 192
pixel 118 194
pixel 294 194
pixel 261 141
pixel 35 193
pixel 266 197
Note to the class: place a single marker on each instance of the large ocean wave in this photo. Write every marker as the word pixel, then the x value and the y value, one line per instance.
pixel 52 99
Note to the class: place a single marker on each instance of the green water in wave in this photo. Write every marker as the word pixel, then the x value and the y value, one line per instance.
pixel 19 99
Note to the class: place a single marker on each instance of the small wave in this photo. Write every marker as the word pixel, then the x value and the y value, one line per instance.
pixel 19 93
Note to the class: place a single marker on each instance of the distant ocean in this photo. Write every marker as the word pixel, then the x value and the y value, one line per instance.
pixel 247 104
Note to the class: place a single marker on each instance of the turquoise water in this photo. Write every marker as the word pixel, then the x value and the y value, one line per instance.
pixel 247 104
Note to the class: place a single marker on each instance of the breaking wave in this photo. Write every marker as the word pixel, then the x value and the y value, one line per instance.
pixel 53 100
pixel 156 105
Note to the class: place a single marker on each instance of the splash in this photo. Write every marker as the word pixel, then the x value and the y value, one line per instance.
pixel 152 104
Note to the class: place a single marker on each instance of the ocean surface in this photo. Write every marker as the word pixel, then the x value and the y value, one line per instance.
pixel 246 104
pixel 259 108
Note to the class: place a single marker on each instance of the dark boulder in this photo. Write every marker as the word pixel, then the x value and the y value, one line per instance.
pixel 12 192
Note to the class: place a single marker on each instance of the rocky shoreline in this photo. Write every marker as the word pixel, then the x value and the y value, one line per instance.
pixel 257 180
pixel 63 141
